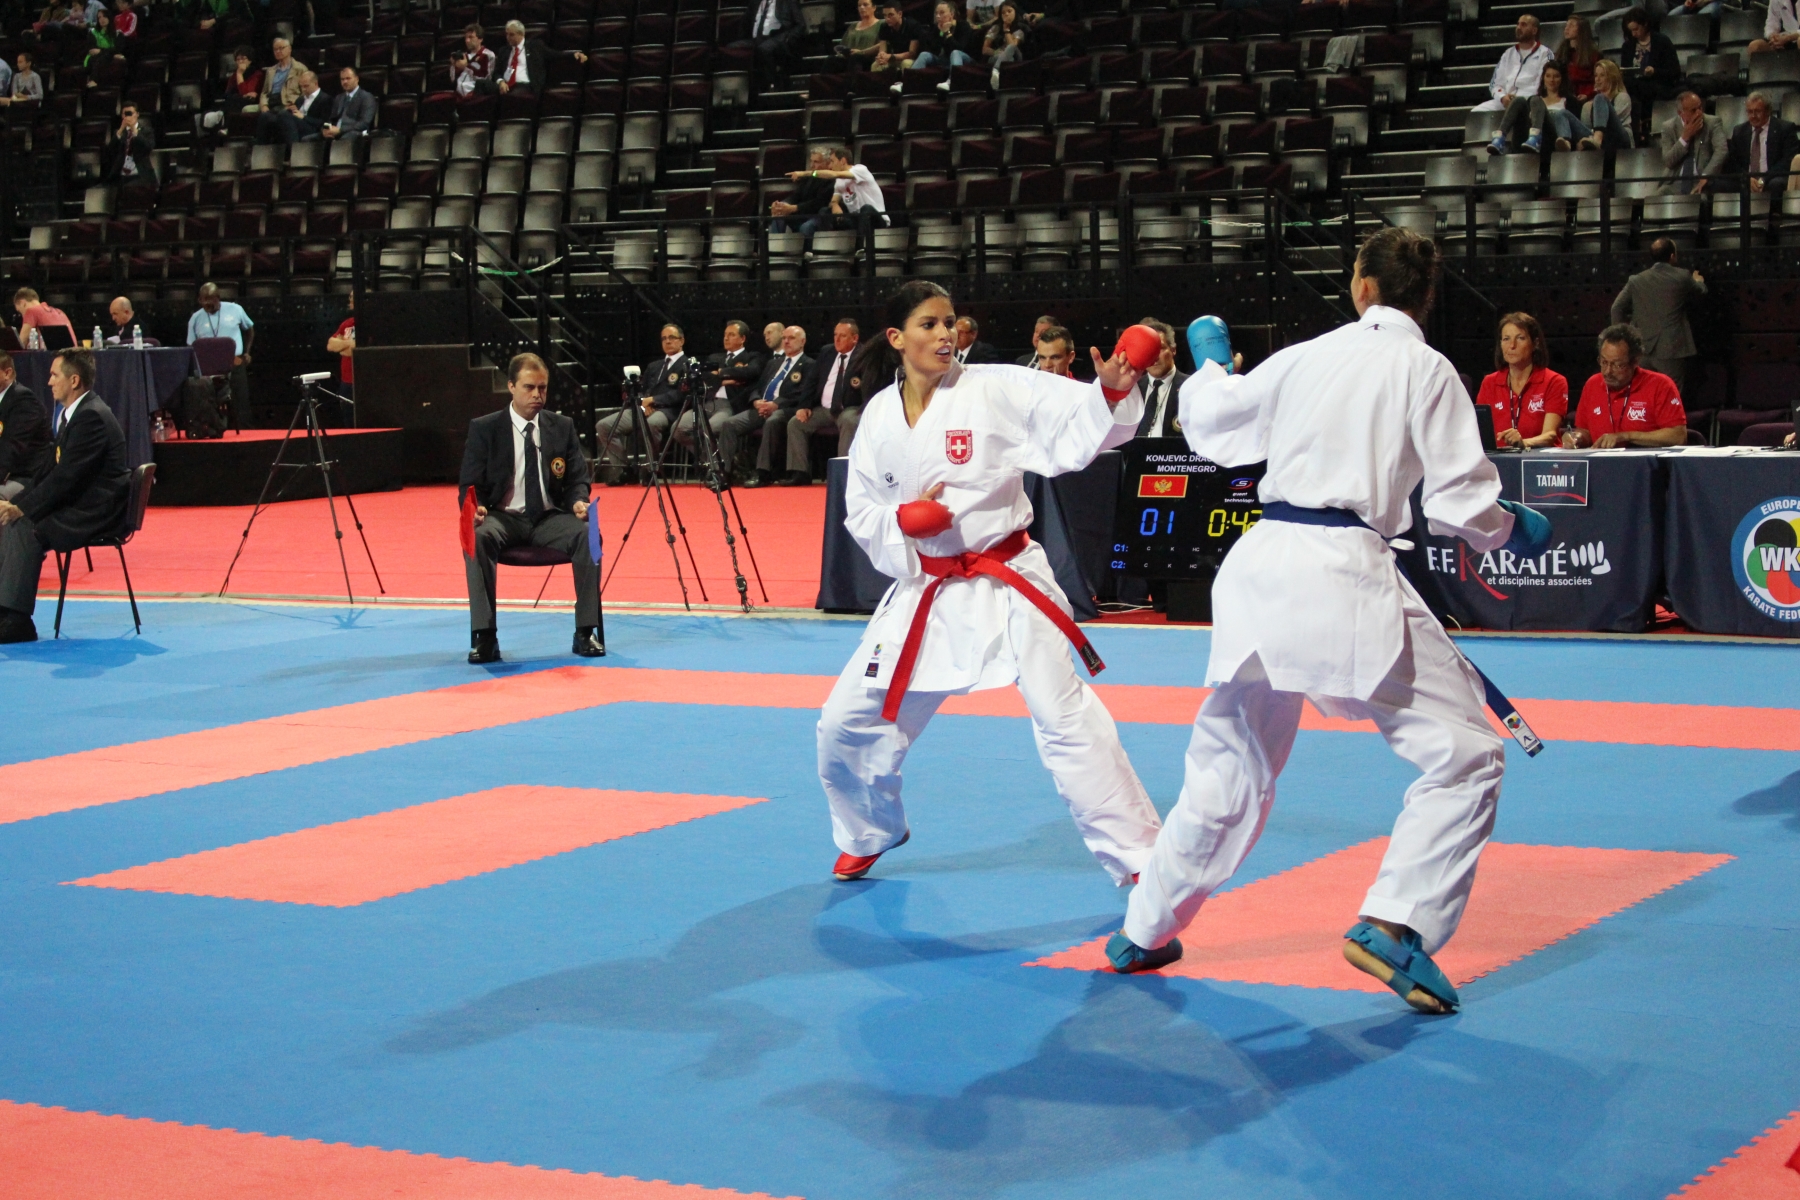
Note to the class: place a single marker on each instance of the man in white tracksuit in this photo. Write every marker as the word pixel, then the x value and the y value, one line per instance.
pixel 1310 605
pixel 956 441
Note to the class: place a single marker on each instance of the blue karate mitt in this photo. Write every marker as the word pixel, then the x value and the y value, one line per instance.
pixel 1209 338
pixel 1531 530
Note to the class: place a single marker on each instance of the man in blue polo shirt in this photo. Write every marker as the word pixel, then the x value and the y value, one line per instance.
pixel 225 318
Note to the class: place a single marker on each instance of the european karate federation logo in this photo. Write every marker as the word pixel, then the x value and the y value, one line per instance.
pixel 1765 558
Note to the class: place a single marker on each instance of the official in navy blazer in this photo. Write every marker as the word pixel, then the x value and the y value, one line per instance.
pixel 24 432
pixel 660 388
pixel 530 481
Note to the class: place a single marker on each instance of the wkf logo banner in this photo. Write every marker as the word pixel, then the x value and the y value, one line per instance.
pixel 1162 487
pixel 1765 558
pixel 959 445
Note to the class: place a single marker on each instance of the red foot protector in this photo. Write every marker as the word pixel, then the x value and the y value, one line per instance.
pixel 374 857
pixel 54 1154
pixel 1767 1169
pixel 138 769
pixel 1289 928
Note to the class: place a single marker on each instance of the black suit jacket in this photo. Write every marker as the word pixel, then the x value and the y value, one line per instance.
pixel 738 379
pixel 352 114
pixel 488 460
pixel 1171 406
pixel 793 385
pixel 843 396
pixel 24 434
pixel 1783 141
pixel 662 382
pixel 318 115
pixel 812 196
pixel 82 496
pixel 138 147
pixel 980 352
pixel 790 22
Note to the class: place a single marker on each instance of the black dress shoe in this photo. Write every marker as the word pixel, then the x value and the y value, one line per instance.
pixel 588 643
pixel 16 627
pixel 796 479
pixel 762 479
pixel 484 646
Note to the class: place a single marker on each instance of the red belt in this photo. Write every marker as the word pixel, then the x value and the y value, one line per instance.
pixel 989 562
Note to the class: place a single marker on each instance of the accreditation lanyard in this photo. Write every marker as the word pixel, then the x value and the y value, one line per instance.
pixel 1515 401
pixel 1614 413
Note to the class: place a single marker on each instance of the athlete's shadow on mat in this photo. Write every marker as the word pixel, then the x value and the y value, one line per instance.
pixel 1781 799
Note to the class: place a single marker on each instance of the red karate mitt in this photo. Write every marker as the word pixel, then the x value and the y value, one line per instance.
pixel 467 532
pixel 1141 346
pixel 923 518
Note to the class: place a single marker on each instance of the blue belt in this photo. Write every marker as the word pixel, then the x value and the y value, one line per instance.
pixel 1343 518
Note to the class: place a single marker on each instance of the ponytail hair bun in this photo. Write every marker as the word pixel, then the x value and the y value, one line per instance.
pixel 1404 267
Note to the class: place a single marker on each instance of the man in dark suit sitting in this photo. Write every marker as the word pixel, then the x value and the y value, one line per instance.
pixel 24 433
pixel 302 121
pixel 774 26
pixel 1763 147
pixel 353 112
pixel 726 381
pixel 522 65
pixel 776 398
pixel 1161 385
pixel 615 434
pixel 530 479
pixel 971 351
pixel 81 497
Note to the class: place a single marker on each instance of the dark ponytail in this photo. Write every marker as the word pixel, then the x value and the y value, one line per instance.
pixel 1404 267
pixel 876 363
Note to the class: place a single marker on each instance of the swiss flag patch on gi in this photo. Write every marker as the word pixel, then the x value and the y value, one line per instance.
pixel 959 445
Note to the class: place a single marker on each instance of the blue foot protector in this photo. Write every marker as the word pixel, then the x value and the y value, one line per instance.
pixel 1127 956
pixel 1412 967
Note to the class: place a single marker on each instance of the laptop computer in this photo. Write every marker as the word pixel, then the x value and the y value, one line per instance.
pixel 56 337
pixel 1484 421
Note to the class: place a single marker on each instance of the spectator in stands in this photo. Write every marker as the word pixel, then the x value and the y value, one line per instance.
pixel 1549 109
pixel 971 351
pixel 128 160
pixel 239 91
pixel 214 10
pixel 474 66
pixel 352 111
pixel 1056 352
pixel 810 202
pixel 343 344
pixel 1517 72
pixel 125 19
pixel 1608 114
pixel 79 497
pixel 981 14
pixel 833 401
pixel 302 121
pixel 281 82
pixel 1578 55
pixel 1006 37
pixel 1657 66
pixel 524 65
pixel 1037 331
pixel 1626 404
pixel 1694 147
pixel 1528 398
pixel 900 38
pixel 1702 8
pixel 217 317
pixel 948 43
pixel 660 399
pixel 35 314
pixel 772 334
pixel 24 433
pixel 1655 303
pixel 1763 147
pixel 1781 29
pixel 105 41
pixel 123 318
pixel 775 25
pixel 729 378
pixel 1161 385
pixel 6 75
pixel 25 83
pixel 854 191
pixel 779 397
pixel 862 38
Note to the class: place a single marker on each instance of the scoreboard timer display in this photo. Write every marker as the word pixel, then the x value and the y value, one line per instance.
pixel 1179 513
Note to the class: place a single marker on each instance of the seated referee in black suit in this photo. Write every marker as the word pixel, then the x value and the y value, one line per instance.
pixel 530 480
pixel 82 496
pixel 24 432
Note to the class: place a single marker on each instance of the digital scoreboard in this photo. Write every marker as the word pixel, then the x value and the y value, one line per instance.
pixel 1179 513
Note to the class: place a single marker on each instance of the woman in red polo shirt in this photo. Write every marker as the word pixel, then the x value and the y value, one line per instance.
pixel 1528 398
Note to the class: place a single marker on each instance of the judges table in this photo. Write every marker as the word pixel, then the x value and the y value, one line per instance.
pixel 1734 542
pixel 1072 520
pixel 134 384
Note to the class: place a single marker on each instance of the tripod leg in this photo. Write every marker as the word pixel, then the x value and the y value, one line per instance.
pixel 642 497
pixel 135 619
pixel 262 498
pixel 62 591
pixel 744 530
pixel 543 585
pixel 682 526
pixel 316 436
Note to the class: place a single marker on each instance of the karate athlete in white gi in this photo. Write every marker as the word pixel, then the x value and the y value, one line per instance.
pixel 1310 605
pixel 936 499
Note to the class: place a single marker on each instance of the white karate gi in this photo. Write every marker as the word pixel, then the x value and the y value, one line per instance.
pixel 984 428
pixel 1515 74
pixel 1352 420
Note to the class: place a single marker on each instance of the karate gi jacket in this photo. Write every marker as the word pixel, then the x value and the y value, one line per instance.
pixel 1354 419
pixel 984 428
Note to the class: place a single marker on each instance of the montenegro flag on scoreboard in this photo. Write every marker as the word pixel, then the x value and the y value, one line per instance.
pixel 1162 487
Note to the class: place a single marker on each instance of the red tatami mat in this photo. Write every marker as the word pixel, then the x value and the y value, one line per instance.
pixel 1767 1169
pixel 55 1154
pixel 385 854
pixel 1289 928
pixel 127 772
pixel 184 551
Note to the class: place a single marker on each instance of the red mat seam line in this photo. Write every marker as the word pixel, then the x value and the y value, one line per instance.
pixel 1737 1154
pixel 426 1154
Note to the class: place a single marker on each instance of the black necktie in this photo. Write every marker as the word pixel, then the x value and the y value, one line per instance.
pixel 534 487
pixel 837 384
pixel 1156 422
